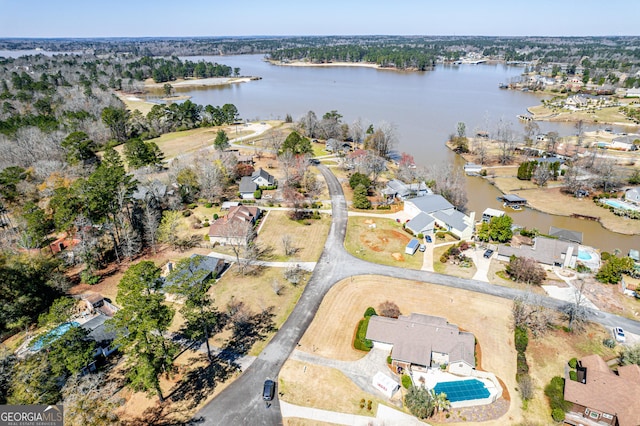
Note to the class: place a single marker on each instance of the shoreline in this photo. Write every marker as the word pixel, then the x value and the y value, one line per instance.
pixel 341 64
pixel 198 82
pixel 543 205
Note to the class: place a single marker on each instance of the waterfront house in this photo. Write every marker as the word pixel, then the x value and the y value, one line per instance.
pixel 420 341
pixel 632 195
pixel 490 213
pixel 397 189
pixel 421 224
pixel 444 214
pixel 601 397
pixel 566 234
pixel 546 251
pixel 624 143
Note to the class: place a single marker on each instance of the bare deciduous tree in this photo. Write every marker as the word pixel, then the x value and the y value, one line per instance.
pixel 294 274
pixel 528 312
pixel 287 245
pixel 449 182
pixel 576 312
pixel 542 174
pixel 606 174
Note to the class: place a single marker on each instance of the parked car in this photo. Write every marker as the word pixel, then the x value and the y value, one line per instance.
pixel 268 390
pixel 488 253
pixel 422 247
pixel 428 238
pixel 618 332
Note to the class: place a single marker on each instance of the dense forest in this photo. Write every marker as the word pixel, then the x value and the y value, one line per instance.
pixel 603 52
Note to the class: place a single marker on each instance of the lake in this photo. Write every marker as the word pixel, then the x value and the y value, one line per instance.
pixel 425 108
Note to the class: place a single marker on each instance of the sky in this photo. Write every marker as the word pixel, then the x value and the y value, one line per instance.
pixel 158 18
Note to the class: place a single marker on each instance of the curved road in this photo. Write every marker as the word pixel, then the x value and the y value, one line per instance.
pixel 241 403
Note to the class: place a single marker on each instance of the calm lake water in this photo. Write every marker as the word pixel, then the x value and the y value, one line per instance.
pixel 425 107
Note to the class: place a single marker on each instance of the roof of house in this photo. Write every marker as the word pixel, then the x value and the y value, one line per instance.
pixel 431 203
pixel 264 175
pixel 197 263
pixel 155 188
pixel 398 187
pixel 223 227
pixel 415 336
pixel 607 392
pixel 493 212
pixel 566 234
pixel 634 254
pixel 247 185
pixel 544 250
pixel 550 160
pixel 513 198
pixel 454 218
pixel 93 298
pixel 98 330
pixel 633 194
pixel 420 222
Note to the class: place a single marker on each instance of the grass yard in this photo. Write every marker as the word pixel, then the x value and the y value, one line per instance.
pixel 322 387
pixel 307 237
pixel 257 293
pixel 384 243
pixel 548 355
pixel 487 317
pixel 449 268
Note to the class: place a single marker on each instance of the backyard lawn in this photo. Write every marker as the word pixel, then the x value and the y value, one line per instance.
pixel 380 240
pixel 307 237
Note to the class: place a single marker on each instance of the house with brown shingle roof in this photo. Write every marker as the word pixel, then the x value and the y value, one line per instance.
pixel 600 396
pixel 421 341
pixel 235 226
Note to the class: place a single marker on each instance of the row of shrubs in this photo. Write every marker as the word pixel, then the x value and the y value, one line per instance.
pixel 361 342
pixel 525 384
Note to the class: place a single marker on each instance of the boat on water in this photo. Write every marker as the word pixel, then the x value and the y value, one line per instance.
pixel 524 117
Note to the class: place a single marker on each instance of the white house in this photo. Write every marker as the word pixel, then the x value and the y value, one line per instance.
pixel 490 213
pixel 443 213
pixel 247 188
pixel 632 195
pixel 546 251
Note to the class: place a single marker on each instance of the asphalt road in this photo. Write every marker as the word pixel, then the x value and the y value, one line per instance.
pixel 241 403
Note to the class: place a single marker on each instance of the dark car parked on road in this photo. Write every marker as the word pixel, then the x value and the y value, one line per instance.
pixel 488 253
pixel 268 390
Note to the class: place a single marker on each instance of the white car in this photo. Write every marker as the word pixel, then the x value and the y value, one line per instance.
pixel 618 332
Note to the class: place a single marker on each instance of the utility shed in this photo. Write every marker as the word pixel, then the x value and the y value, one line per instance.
pixel 412 246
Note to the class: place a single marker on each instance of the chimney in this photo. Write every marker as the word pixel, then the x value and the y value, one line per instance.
pixel 170 267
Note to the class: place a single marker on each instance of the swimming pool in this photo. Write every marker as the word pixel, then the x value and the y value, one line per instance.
pixel 52 336
pixel 618 205
pixel 462 390
pixel 584 255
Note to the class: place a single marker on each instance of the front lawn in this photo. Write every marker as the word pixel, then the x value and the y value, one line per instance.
pixel 306 237
pixel 380 240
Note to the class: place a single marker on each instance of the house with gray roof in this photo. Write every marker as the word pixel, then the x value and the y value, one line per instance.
pixel 421 224
pixel 199 269
pixel 632 195
pixel 566 234
pixel 420 341
pixel 398 189
pixel 247 188
pixel 546 251
pixel 263 178
pixel 443 213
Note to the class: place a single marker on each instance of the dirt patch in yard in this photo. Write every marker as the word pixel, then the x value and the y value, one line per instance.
pixel 378 241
